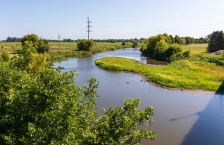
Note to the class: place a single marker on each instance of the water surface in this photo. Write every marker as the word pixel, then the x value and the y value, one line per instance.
pixel 181 118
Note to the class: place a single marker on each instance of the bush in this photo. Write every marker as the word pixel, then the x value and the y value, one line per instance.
pixel 42 46
pixel 216 59
pixel 176 56
pixel 186 54
pixel 39 45
pixel 5 56
pixel 173 49
pixel 85 45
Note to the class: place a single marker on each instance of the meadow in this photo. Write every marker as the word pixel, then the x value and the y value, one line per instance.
pixel 67 46
pixel 195 48
pixel 69 49
pixel 183 74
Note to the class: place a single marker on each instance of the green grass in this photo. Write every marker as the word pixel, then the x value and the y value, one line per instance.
pixel 195 48
pixel 54 46
pixel 64 46
pixel 179 74
pixel 69 49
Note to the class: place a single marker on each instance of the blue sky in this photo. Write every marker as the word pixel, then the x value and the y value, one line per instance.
pixel 115 19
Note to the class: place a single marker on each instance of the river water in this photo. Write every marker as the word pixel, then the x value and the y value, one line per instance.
pixel 181 117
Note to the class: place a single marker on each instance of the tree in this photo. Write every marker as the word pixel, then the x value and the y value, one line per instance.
pixel 28 59
pixel 48 108
pixel 134 43
pixel 85 45
pixel 172 39
pixel 156 47
pixel 42 46
pixel 39 45
pixel 177 39
pixel 216 41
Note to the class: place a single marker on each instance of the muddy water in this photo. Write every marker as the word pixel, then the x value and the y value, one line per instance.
pixel 181 118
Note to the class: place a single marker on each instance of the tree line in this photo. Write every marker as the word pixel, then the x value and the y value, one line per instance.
pixel 176 39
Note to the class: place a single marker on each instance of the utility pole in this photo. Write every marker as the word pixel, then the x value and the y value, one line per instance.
pixel 88 26
pixel 59 36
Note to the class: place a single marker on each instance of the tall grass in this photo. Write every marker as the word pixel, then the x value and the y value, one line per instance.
pixel 184 74
pixel 195 48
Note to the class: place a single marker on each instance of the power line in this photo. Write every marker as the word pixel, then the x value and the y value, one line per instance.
pixel 157 30
pixel 156 22
pixel 88 26
pixel 166 17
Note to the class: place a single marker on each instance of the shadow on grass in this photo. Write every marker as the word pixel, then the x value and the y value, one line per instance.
pixel 209 128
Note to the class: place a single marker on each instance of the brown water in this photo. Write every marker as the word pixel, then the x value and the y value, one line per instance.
pixel 181 118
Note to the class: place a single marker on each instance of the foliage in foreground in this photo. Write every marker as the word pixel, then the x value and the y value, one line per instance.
pixel 41 105
pixel 187 74
pixel 5 56
pixel 48 108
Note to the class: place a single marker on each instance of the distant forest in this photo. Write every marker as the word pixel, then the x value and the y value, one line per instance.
pixel 177 39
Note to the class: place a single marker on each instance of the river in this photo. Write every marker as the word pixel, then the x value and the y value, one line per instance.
pixel 181 117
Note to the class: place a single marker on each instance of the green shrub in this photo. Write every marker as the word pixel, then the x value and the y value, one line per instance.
pixel 159 47
pixel 186 54
pixel 173 49
pixel 85 45
pixel 176 56
pixel 5 56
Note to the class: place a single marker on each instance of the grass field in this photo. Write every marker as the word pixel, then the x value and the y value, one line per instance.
pixel 179 74
pixel 65 46
pixel 195 48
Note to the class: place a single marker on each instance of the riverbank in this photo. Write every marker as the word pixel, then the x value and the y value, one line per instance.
pixel 60 54
pixel 183 74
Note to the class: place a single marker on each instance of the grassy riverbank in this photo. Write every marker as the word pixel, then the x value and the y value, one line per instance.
pixel 66 46
pixel 69 49
pixel 184 74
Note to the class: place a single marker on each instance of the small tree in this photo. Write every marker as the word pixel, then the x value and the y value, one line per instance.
pixel 38 44
pixel 85 45
pixel 123 43
pixel 28 58
pixel 134 43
